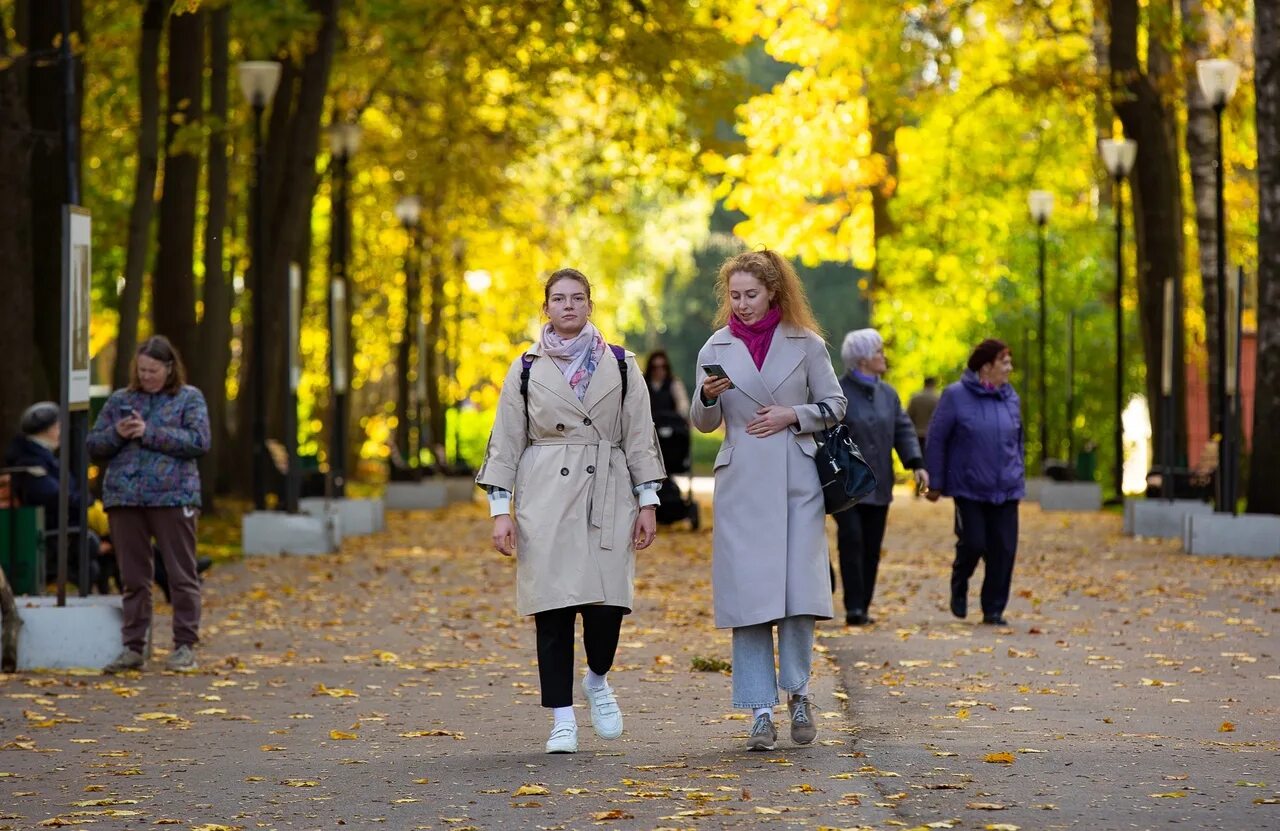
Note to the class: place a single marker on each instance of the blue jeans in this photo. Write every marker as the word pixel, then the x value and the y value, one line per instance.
pixel 755 683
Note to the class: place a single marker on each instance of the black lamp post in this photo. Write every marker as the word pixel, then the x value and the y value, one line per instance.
pixel 258 81
pixel 1041 204
pixel 344 140
pixel 1118 156
pixel 408 211
pixel 1218 82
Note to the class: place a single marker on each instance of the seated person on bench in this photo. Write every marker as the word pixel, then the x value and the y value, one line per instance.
pixel 36 447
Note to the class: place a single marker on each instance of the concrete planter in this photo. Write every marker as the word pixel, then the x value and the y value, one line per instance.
pixel 1249 535
pixel 1070 496
pixel 84 634
pixel 416 496
pixel 273 532
pixel 358 516
pixel 1160 518
pixel 1034 485
pixel 461 489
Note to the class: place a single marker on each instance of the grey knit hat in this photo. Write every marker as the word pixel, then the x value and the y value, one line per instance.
pixel 38 417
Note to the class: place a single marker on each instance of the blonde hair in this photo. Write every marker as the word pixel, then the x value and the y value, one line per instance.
pixel 779 279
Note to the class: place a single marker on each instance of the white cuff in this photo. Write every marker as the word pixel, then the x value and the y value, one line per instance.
pixel 648 493
pixel 499 502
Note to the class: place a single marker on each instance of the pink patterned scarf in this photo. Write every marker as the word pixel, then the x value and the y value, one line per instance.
pixel 577 358
pixel 757 336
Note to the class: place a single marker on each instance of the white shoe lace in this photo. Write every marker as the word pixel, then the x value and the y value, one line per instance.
pixel 800 713
pixel 762 727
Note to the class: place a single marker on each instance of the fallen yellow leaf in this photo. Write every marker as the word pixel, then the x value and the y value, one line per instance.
pixel 341 735
pixel 1169 795
pixel 531 790
pixel 1227 727
pixel 999 758
pixel 600 816
pixel 986 806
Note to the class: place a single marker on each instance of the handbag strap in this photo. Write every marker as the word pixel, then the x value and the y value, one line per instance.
pixel 827 414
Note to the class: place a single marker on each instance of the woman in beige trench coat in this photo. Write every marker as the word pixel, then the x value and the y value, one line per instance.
pixel 582 466
pixel 770 565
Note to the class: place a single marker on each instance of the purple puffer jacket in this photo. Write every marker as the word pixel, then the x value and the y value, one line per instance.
pixel 158 470
pixel 974 448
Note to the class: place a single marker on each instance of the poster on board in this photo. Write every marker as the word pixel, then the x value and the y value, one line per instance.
pixel 76 284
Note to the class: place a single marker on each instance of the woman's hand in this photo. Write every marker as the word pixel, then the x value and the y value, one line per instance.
pixel 504 535
pixel 714 386
pixel 922 479
pixel 131 427
pixel 772 419
pixel 933 495
pixel 646 528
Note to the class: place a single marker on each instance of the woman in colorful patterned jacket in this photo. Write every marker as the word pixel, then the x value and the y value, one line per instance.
pixel 149 436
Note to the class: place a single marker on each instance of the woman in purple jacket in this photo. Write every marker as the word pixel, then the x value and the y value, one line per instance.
pixel 974 454
pixel 149 436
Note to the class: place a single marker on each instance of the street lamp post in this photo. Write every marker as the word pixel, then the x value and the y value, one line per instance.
pixel 1218 82
pixel 1118 156
pixel 408 211
pixel 1041 204
pixel 258 81
pixel 344 140
pixel 459 260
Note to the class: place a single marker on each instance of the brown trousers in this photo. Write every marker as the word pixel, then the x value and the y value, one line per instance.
pixel 174 530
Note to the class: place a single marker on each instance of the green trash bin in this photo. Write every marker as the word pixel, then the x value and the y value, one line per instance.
pixel 1087 463
pixel 22 549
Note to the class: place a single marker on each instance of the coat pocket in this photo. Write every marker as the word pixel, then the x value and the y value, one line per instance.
pixel 723 456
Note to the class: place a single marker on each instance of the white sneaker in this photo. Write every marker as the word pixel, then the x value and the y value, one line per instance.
pixel 564 737
pixel 606 717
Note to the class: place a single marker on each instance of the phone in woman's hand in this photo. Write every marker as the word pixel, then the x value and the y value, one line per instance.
pixel 717 371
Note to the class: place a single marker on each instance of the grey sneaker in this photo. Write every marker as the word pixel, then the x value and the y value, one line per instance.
pixel 803 728
pixel 764 736
pixel 128 659
pixel 182 659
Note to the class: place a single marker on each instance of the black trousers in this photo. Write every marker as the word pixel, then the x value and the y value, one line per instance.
pixel 600 628
pixel 860 534
pixel 988 532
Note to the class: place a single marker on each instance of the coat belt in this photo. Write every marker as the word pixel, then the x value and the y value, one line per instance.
pixel 603 493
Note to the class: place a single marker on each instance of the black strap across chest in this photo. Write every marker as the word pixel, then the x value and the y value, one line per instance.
pixel 526 364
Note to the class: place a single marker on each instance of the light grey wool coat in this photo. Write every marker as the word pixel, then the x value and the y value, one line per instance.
pixel 769 545
pixel 571 477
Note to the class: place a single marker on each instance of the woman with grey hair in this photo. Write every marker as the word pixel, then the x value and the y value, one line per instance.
pixel 878 425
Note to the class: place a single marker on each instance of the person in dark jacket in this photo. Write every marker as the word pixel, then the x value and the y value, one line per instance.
pixel 36 448
pixel 975 456
pixel 879 426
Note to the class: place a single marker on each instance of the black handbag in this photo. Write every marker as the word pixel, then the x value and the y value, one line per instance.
pixel 845 476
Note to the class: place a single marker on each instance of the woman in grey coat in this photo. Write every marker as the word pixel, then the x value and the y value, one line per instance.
pixel 879 426
pixel 762 376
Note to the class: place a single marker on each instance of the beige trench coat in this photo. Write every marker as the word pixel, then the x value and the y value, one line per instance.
pixel 769 545
pixel 571 478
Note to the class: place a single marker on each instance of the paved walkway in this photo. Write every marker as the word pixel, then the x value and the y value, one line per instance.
pixel 393 686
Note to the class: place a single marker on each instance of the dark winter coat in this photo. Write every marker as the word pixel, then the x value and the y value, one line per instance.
pixel 974 449
pixel 879 426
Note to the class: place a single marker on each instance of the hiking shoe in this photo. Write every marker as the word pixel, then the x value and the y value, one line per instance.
pixel 606 717
pixel 764 736
pixel 128 659
pixel 182 659
pixel 564 737
pixel 803 729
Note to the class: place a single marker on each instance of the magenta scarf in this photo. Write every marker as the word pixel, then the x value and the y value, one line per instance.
pixel 757 336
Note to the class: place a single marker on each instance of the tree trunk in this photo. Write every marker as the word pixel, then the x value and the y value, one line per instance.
pixel 215 328
pixel 1264 466
pixel 144 187
pixel 10 623
pixel 49 167
pixel 412 260
pixel 173 285
pixel 288 189
pixel 1201 152
pixel 1157 204
pixel 17 335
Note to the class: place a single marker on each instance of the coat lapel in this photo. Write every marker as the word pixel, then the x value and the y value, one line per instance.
pixel 736 360
pixel 546 374
pixel 604 380
pixel 785 354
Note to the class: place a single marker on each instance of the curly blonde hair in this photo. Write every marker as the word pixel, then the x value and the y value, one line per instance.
pixel 779 279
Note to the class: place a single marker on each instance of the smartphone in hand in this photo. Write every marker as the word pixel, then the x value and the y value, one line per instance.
pixel 717 371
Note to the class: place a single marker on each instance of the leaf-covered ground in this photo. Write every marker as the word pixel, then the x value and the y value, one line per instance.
pixel 392 685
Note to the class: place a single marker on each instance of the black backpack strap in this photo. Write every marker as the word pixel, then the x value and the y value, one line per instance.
pixel 526 363
pixel 620 355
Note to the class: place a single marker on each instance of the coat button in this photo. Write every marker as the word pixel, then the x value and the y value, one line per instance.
pixel 564 471
pixel 587 421
pixel 591 468
pixel 560 427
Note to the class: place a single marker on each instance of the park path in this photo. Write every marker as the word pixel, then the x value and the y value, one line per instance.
pixel 392 685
